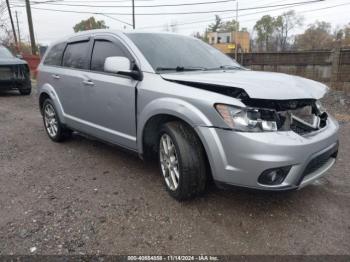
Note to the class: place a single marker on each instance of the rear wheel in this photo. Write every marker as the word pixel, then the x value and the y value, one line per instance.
pixel 54 128
pixel 182 161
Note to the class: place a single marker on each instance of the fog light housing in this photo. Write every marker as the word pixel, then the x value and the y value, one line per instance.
pixel 274 176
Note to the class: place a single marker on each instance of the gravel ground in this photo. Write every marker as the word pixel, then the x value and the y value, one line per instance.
pixel 85 197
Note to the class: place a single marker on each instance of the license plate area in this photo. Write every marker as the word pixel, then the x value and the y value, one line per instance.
pixel 5 73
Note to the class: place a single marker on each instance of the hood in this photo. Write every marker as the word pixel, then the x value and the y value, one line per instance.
pixel 12 61
pixel 259 85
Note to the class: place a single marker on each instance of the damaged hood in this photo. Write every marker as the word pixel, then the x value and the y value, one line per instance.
pixel 259 85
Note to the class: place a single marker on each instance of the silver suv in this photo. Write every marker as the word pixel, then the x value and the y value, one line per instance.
pixel 197 111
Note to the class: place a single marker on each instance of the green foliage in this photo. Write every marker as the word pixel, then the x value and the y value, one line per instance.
pixel 274 32
pixel 229 26
pixel 220 26
pixel 265 28
pixel 214 27
pixel 89 24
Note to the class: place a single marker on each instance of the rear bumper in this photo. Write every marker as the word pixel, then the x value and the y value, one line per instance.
pixel 239 158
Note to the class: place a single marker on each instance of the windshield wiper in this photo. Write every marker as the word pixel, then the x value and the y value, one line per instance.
pixel 180 68
pixel 225 67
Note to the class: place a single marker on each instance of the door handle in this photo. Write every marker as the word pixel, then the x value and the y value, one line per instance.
pixel 56 76
pixel 88 83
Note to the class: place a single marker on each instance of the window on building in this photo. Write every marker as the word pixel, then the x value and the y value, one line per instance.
pixel 228 39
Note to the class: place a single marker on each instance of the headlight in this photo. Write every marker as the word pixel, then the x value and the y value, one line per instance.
pixel 248 119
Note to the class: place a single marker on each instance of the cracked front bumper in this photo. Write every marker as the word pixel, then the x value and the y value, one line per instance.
pixel 239 158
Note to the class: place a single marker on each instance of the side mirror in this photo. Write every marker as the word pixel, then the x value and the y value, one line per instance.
pixel 19 56
pixel 121 65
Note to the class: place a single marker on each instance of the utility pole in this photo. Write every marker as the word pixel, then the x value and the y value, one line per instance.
pixel 31 29
pixel 19 33
pixel 236 33
pixel 12 24
pixel 133 14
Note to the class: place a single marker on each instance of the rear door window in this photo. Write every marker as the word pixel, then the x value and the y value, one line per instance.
pixel 54 57
pixel 102 50
pixel 76 55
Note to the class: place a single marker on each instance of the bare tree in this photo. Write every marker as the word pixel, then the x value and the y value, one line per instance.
pixel 284 25
pixel 316 36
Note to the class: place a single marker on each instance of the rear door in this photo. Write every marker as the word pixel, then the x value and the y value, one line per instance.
pixel 110 98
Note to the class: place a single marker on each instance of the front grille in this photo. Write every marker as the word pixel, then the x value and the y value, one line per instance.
pixel 300 130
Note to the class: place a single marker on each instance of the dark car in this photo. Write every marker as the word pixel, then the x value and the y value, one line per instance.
pixel 14 73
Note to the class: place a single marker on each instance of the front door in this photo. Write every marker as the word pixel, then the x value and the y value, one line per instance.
pixel 109 99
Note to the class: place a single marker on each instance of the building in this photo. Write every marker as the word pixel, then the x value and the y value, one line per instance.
pixel 225 41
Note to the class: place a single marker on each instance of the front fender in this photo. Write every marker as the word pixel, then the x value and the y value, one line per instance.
pixel 173 107
pixel 50 91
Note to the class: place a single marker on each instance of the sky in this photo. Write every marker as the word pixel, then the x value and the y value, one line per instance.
pixel 51 25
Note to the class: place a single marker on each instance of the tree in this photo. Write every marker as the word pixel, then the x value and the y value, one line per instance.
pixel 316 36
pixel 265 28
pixel 201 36
pixel 89 24
pixel 214 27
pixel 342 36
pixel 220 26
pixel 229 26
pixel 346 36
pixel 284 24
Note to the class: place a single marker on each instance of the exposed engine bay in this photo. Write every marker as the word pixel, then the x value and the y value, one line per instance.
pixel 302 116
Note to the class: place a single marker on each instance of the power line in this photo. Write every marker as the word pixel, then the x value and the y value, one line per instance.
pixel 130 6
pixel 185 13
pixel 249 20
pixel 311 10
pixel 116 19
pixel 229 17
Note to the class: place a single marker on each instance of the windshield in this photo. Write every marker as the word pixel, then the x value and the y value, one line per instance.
pixel 180 53
pixel 5 53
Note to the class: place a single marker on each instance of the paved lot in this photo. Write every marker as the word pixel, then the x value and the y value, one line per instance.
pixel 83 196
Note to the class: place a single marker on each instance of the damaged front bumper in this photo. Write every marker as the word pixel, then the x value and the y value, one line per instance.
pixel 240 158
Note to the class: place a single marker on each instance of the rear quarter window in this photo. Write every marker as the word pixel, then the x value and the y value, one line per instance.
pixel 54 57
pixel 76 55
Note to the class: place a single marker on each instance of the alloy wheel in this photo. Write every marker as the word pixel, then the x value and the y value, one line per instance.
pixel 50 119
pixel 169 162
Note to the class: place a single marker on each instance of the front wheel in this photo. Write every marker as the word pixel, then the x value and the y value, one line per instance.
pixel 182 161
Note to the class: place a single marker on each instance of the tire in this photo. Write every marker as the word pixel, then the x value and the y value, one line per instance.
pixel 26 89
pixel 56 131
pixel 188 159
